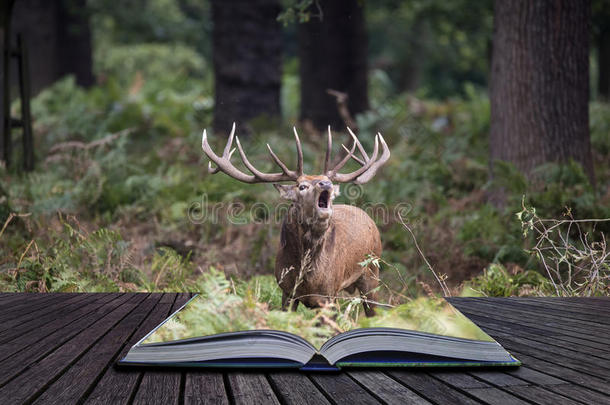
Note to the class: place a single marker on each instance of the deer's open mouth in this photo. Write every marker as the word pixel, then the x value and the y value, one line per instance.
pixel 323 199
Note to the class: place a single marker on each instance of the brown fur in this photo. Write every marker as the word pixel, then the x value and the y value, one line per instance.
pixel 324 256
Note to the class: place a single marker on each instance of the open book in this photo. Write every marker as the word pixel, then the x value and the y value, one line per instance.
pixel 426 332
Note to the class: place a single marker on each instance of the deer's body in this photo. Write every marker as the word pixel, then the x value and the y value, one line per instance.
pixel 321 246
pixel 314 264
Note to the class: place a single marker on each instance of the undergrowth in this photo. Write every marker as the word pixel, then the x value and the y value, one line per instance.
pixel 121 200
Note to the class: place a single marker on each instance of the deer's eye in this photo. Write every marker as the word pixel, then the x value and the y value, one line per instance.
pixel 303 187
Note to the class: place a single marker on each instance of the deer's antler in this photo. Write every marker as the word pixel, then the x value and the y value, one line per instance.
pixel 369 165
pixel 223 163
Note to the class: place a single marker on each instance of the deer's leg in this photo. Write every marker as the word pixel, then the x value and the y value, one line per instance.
pixel 366 285
pixel 285 300
pixel 294 306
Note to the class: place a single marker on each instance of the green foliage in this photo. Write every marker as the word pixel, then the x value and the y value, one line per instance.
pixel 496 281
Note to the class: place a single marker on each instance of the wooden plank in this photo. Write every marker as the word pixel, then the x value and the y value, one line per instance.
pixel 540 318
pixel 31 337
pixel 22 308
pixel 430 388
pixel 341 389
pixel 569 375
pixel 117 385
pixel 11 299
pixel 33 380
pixel 160 387
pixel 21 358
pixel 516 307
pixel 535 377
pixel 459 379
pixel 294 388
pixel 540 327
pixel 250 389
pixel 540 395
pixel 164 384
pixel 579 393
pixel 515 330
pixel 37 320
pixel 95 361
pixel 494 396
pixel 574 306
pixel 497 378
pixel 202 387
pixel 386 389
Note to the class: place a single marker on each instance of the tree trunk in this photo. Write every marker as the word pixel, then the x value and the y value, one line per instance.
pixel 603 63
pixel 247 53
pixel 540 83
pixel 333 55
pixel 74 42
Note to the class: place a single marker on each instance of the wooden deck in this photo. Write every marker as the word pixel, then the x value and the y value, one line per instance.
pixel 61 348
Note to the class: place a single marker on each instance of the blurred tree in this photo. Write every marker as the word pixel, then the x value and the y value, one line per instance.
pixel 601 38
pixel 332 55
pixel 74 55
pixel 540 83
pixel 247 53
pixel 432 47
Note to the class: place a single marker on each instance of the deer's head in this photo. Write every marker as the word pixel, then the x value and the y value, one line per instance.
pixel 312 195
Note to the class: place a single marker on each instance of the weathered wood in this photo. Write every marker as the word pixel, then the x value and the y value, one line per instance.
pixel 54 364
pixel 543 326
pixel 250 388
pixel 118 385
pixel 59 339
pixel 495 396
pixel 19 326
pixel 385 388
pixel 87 369
pixel 22 308
pixel 35 335
pixel 550 309
pixel 342 389
pixel 569 375
pixel 22 358
pixel 162 387
pixel 295 388
pixel 510 329
pixel 203 388
pixel 540 395
pixel 430 388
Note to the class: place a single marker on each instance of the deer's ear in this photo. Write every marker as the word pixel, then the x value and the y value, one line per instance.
pixel 287 191
pixel 336 191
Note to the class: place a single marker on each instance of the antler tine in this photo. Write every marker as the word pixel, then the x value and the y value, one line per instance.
pixel 223 163
pixel 299 152
pixel 370 173
pixel 360 148
pixel 279 162
pixel 329 146
pixel 369 165
pixel 344 178
pixel 350 154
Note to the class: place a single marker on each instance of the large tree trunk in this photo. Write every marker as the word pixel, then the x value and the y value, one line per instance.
pixel 540 83
pixel 247 52
pixel 74 42
pixel 333 55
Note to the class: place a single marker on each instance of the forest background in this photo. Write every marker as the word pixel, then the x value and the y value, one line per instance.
pixel 497 116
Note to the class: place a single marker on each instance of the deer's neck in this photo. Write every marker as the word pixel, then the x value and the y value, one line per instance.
pixel 309 239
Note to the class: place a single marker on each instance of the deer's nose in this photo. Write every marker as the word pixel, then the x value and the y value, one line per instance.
pixel 325 185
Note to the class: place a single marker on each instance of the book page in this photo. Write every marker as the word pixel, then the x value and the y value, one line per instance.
pixel 204 316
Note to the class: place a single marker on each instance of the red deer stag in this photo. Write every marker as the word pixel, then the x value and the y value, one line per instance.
pixel 321 245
